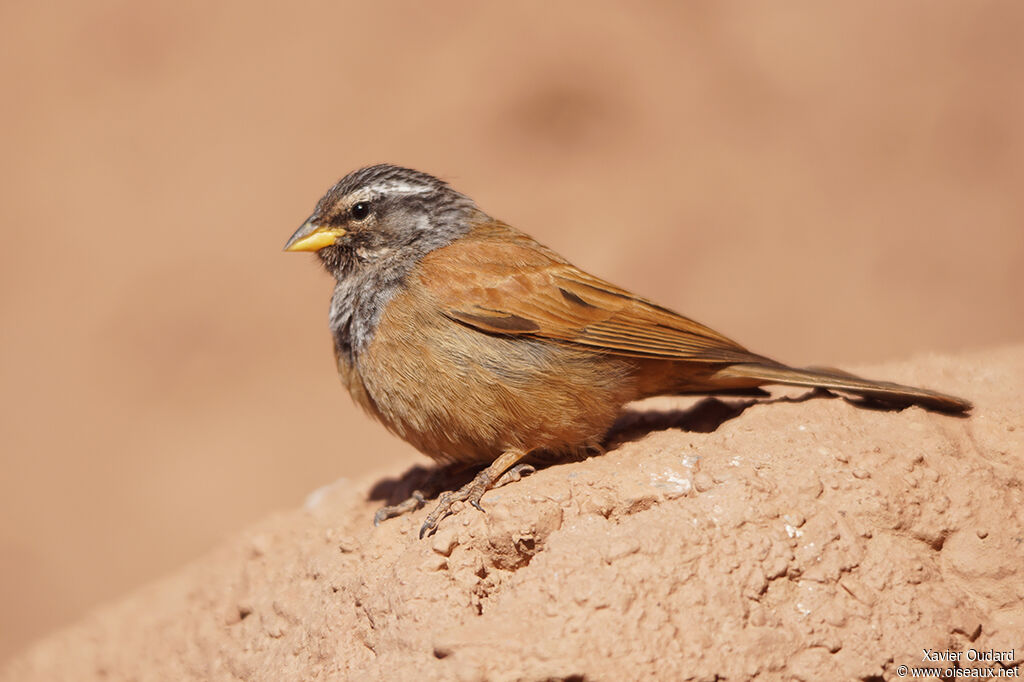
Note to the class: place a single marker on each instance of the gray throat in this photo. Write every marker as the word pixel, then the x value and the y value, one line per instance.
pixel 356 307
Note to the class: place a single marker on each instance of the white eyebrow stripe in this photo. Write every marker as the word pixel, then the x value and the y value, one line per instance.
pixel 398 187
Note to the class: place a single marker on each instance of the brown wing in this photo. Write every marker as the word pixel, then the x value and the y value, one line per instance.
pixel 500 281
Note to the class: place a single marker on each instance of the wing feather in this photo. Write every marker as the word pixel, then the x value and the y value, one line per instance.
pixel 500 281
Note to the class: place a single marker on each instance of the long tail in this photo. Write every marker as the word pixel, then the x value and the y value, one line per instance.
pixel 837 380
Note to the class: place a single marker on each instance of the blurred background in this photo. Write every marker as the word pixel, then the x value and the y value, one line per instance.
pixel 835 183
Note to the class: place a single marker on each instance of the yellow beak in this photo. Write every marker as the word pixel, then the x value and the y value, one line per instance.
pixel 312 237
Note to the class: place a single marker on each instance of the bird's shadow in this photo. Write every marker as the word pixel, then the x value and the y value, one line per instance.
pixel 704 416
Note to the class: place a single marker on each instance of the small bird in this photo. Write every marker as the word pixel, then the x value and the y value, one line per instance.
pixel 480 346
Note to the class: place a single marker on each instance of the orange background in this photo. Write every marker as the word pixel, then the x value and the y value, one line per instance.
pixel 835 184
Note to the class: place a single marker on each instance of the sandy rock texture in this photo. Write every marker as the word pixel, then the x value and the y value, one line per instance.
pixel 797 537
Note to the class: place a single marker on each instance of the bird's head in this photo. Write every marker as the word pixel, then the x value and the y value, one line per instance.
pixel 381 216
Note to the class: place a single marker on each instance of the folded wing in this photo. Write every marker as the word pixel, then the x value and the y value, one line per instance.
pixel 500 281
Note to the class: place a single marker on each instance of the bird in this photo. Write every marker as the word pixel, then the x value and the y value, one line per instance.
pixel 481 347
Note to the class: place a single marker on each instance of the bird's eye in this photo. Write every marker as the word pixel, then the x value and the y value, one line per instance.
pixel 360 210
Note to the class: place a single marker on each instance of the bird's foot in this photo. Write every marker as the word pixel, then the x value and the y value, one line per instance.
pixel 412 503
pixel 505 469
pixel 471 492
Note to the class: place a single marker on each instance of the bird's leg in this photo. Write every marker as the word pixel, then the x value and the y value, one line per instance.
pixel 475 489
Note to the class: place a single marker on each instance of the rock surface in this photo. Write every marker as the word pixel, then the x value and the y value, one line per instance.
pixel 799 537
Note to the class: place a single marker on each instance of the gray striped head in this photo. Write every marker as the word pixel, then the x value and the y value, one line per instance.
pixel 383 213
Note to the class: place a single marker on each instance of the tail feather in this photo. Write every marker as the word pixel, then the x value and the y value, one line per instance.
pixel 837 380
